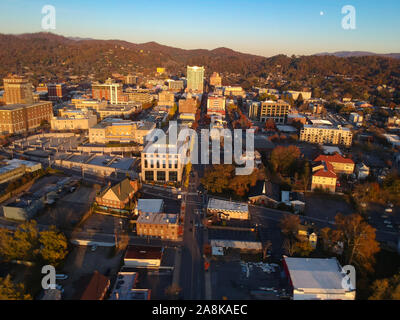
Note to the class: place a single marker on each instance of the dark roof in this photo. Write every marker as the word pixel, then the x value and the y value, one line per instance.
pixel 95 289
pixel 143 252
pixel 271 190
pixel 236 235
pixel 257 189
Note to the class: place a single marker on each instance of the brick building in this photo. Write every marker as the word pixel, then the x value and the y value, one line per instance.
pixel 17 118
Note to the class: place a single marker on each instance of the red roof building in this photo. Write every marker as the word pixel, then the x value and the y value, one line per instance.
pixel 324 177
pixel 143 256
pixel 341 165
pixel 97 287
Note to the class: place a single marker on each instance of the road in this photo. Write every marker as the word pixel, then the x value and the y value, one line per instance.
pixel 266 218
pixel 192 280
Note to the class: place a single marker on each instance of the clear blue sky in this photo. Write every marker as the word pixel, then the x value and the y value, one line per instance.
pixel 263 27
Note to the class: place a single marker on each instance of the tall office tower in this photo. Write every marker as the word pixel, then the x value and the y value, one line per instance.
pixel 17 90
pixel 195 79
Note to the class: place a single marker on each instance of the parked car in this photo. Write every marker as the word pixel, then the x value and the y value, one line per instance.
pixel 61 276
pixel 94 247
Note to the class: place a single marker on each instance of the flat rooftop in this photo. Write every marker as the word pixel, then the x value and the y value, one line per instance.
pixel 79 158
pixel 20 105
pixel 122 163
pixel 326 127
pixel 158 218
pixel 124 285
pixel 18 162
pixel 223 205
pixel 150 205
pixel 318 274
pixel 143 252
pixel 100 160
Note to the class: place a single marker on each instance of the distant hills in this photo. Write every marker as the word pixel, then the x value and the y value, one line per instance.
pixel 54 56
pixel 346 54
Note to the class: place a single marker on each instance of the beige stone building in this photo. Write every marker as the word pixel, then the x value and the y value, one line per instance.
pixel 74 121
pixel 326 134
pixel 324 177
pixel 234 91
pixel 275 110
pixel 188 105
pixel 143 97
pixel 227 210
pixel 176 85
pixel 121 131
pixel 17 90
pixel 162 162
pixel 89 104
pixel 216 80
pixel 123 111
pixel 166 98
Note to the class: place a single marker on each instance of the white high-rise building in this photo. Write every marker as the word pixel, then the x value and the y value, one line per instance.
pixel 195 79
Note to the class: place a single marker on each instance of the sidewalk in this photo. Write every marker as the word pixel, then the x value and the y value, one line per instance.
pixel 177 266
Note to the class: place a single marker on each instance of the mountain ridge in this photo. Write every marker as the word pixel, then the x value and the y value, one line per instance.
pixel 51 56
pixel 347 54
pixel 155 46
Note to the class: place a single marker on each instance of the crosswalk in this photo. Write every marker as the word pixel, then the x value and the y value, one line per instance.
pixel 193 202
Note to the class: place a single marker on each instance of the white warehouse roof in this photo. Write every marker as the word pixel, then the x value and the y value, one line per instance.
pixel 316 275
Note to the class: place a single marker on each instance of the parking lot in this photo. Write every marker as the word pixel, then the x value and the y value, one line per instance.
pixel 82 262
pixel 381 220
pixel 325 206
pixel 235 279
pixel 68 210
pixel 104 223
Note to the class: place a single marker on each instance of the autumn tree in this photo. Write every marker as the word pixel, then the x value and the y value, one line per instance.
pixel 386 289
pixel 53 247
pixel 283 158
pixel 303 248
pixel 220 178
pixel 22 244
pixel 270 125
pixel 26 243
pixel 11 291
pixel 217 178
pixel 290 225
pixel 357 238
